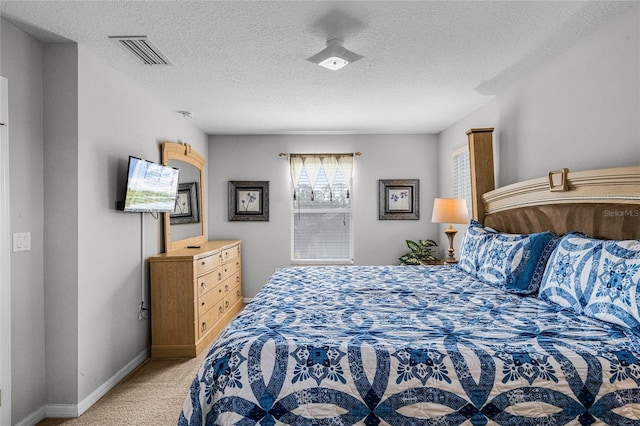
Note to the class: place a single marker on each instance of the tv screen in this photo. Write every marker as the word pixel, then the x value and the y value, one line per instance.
pixel 151 187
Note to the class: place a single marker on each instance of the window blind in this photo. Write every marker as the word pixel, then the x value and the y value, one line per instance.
pixel 321 208
pixel 462 176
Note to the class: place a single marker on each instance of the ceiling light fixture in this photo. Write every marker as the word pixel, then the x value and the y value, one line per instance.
pixel 334 56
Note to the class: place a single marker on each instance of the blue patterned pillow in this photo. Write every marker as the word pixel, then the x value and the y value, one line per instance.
pixel 474 244
pixel 598 278
pixel 517 261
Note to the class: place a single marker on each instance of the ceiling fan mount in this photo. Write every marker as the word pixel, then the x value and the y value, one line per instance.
pixel 335 56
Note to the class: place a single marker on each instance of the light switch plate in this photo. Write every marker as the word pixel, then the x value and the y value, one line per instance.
pixel 21 241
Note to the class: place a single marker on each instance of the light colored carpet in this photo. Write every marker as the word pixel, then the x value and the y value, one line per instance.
pixel 152 395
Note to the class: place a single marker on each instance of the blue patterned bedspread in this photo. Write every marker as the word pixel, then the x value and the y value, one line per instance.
pixel 410 346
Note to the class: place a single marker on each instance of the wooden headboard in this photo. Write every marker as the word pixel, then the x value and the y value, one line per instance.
pixel 600 203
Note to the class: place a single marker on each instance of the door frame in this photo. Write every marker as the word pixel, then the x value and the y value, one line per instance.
pixel 5 260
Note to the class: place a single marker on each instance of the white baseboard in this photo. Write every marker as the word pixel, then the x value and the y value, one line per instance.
pixel 60 411
pixel 86 403
pixel 57 411
pixel 32 418
pixel 247 300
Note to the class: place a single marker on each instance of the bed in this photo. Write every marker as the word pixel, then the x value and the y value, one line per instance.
pixel 536 325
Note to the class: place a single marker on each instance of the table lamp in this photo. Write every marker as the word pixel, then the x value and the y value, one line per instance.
pixel 450 210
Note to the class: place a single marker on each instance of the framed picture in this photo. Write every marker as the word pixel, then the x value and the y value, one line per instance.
pixel 186 209
pixel 248 201
pixel 399 199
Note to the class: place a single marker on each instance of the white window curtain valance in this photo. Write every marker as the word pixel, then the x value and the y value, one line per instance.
pixel 330 166
pixel 316 164
pixel 296 165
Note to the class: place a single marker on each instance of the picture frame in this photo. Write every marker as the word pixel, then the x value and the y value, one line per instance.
pixel 398 199
pixel 249 201
pixel 186 208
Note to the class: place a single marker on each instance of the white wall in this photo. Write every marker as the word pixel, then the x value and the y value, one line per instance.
pixel 22 66
pixel 266 245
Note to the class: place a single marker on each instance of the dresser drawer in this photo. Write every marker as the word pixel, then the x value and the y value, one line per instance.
pixel 232 297
pixel 210 299
pixel 230 254
pixel 228 269
pixel 231 282
pixel 207 263
pixel 209 319
pixel 208 281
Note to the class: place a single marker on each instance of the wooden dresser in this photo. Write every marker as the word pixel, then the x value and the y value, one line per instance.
pixel 195 292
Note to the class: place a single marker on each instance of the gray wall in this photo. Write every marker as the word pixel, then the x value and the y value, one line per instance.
pixel 60 108
pixel 580 111
pixel 74 122
pixel 22 66
pixel 267 245
pixel 117 118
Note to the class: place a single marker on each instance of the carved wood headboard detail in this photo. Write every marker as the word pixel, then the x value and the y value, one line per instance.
pixel 600 203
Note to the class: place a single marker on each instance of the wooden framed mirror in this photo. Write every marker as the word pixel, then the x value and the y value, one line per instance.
pixel 179 234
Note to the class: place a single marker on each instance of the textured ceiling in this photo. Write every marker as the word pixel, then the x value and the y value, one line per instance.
pixel 241 68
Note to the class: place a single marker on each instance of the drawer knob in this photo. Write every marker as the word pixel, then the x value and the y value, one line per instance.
pixel 204 326
pixel 237 279
pixel 221 310
pixel 226 304
pixel 219 290
pixel 204 263
pixel 226 287
pixel 219 276
pixel 203 285
pixel 202 303
pixel 238 293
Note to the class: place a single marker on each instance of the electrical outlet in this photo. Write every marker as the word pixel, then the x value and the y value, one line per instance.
pixel 143 312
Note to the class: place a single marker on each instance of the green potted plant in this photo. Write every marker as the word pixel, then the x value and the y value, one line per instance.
pixel 420 253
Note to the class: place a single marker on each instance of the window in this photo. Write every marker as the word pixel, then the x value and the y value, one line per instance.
pixel 321 208
pixel 462 175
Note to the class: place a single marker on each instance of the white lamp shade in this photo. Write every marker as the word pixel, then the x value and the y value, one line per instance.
pixel 450 210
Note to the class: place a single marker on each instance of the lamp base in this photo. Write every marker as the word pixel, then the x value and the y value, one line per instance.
pixel 451 233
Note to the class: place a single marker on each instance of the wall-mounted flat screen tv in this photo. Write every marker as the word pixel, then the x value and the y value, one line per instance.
pixel 151 187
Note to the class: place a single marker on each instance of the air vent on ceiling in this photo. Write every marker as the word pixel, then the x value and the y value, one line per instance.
pixel 143 49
